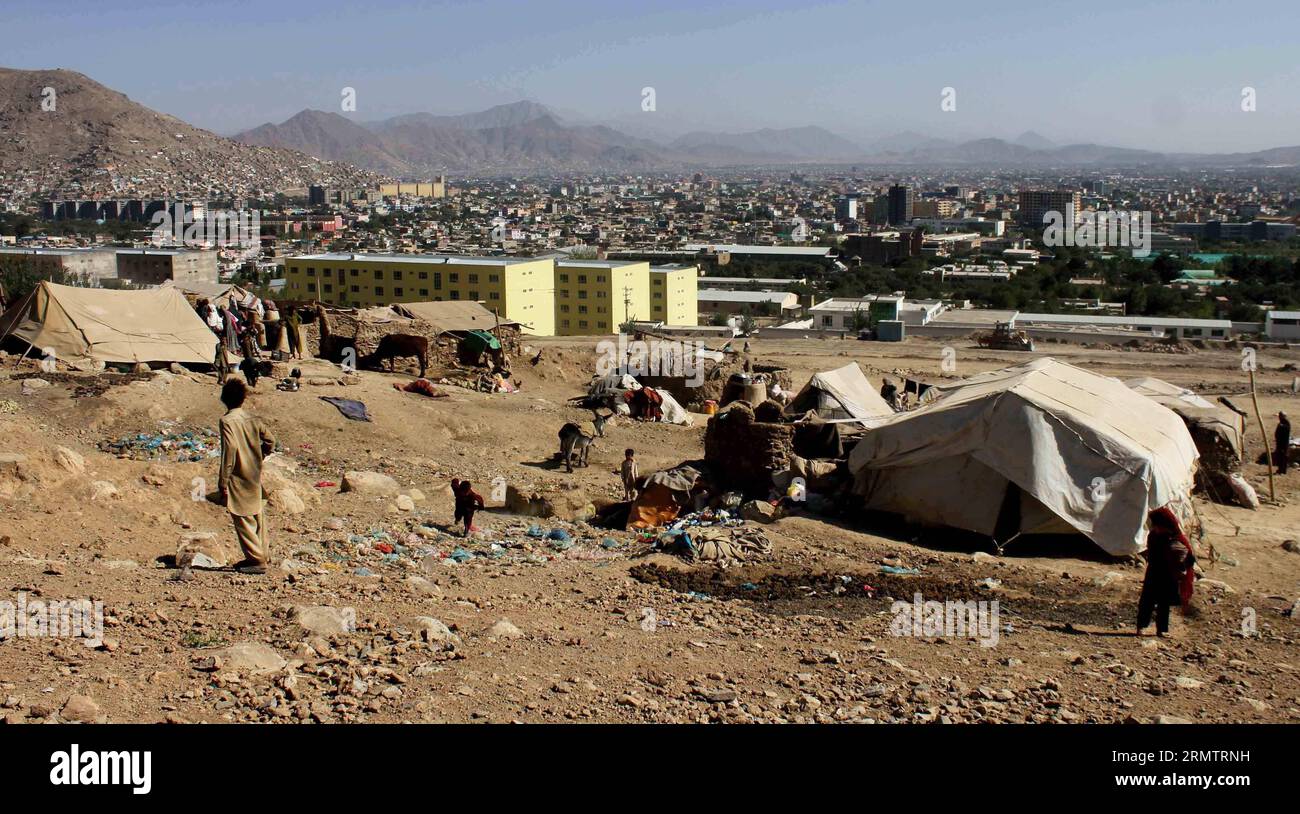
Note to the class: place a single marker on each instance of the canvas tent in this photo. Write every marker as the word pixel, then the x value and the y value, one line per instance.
pixel 1042 447
pixel 843 393
pixel 219 294
pixel 104 325
pixel 1219 433
pixel 453 316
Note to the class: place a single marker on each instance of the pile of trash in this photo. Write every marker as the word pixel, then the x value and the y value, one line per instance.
pixel 707 517
pixel 183 446
pixel 420 546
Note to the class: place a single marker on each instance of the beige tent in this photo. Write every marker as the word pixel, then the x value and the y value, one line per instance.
pixel 1042 447
pixel 85 324
pixel 451 316
pixel 843 393
pixel 1219 433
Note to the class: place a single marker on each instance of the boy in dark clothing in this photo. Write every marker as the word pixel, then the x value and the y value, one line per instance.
pixel 1282 443
pixel 1169 558
pixel 467 502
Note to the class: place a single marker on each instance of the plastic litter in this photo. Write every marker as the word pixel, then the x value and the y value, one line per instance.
pixel 900 572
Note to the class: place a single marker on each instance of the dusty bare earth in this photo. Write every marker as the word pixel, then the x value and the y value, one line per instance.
pixel 525 631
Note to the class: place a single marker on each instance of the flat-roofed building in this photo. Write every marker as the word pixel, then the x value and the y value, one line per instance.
pixel 1035 204
pixel 157 266
pixel 1283 326
pixel 519 288
pixel 782 304
pixel 73 266
pixel 673 294
pixel 1179 327
pixel 742 283
pixel 598 296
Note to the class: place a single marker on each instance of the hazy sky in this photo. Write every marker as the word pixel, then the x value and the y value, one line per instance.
pixel 1163 75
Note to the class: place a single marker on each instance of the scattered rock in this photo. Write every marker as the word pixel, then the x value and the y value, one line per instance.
pixel 325 620
pixel 759 511
pixel 80 708
pixel 505 629
pixel 423 586
pixel 202 549
pixel 369 483
pixel 287 501
pixel 435 632
pixel 70 460
pixel 252 657
pixel 104 490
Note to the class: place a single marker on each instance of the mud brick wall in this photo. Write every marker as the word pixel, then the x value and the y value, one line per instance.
pixel 743 453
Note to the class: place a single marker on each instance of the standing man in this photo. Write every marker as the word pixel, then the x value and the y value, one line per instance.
pixel 1282 443
pixel 244 442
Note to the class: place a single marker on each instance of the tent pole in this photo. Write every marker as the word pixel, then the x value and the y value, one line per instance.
pixel 1268 452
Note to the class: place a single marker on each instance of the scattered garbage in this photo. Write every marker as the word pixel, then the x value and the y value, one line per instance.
pixel 189 445
pixel 350 408
pixel 899 571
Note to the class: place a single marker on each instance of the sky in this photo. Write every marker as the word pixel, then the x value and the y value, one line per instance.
pixel 1158 75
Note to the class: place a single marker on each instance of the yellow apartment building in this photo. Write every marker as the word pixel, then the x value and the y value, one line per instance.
pixel 519 288
pixel 597 296
pixel 674 294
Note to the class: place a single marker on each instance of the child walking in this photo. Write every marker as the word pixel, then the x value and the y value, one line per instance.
pixel 467 502
pixel 629 474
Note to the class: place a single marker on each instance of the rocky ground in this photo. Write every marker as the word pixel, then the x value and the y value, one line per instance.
pixel 375 612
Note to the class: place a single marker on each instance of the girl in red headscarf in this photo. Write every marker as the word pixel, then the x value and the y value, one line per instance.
pixel 1169 577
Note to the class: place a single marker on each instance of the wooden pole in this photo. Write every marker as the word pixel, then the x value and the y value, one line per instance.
pixel 1268 450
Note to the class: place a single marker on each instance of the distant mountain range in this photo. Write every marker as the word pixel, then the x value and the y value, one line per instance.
pixel 81 138
pixel 97 141
pixel 527 136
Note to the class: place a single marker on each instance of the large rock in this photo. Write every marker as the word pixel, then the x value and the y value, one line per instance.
pixel 287 501
pixel 435 632
pixel 202 549
pixel 103 490
pixel 251 657
pixel 70 459
pixel 759 511
pixel 370 483
pixel 420 585
pixel 80 708
pixel 505 629
pixel 31 386
pixel 324 620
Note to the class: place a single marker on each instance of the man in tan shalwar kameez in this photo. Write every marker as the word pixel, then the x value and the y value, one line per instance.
pixel 244 442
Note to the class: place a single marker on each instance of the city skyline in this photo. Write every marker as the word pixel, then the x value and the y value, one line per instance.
pixel 1158 79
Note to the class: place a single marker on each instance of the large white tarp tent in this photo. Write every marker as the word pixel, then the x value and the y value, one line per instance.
pixel 842 393
pixel 88 325
pixel 1085 453
pixel 1206 420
